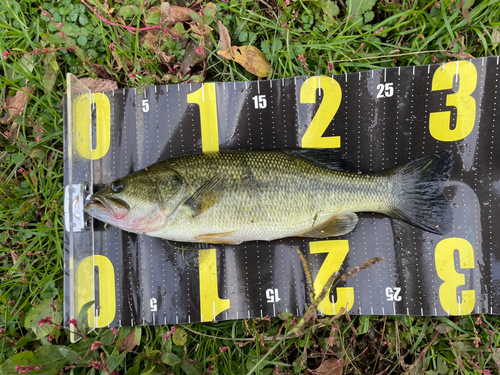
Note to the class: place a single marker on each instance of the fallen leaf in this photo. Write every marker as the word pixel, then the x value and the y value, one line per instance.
pixel 495 36
pixel 191 56
pixel 460 55
pixel 16 104
pixel 180 336
pixel 225 39
pixel 250 57
pixel 99 84
pixel 333 366
pixel 128 342
pixel 50 162
pixel 118 60
pixel 173 14
pixel 51 69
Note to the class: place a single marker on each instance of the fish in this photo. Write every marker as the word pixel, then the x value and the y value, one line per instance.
pixel 230 197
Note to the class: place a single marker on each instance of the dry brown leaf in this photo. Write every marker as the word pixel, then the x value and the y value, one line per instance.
pixel 333 366
pixel 495 36
pixel 118 60
pixel 225 39
pixel 16 104
pixel 460 55
pixel 128 342
pixel 173 14
pixel 250 57
pixel 50 162
pixel 99 84
pixel 191 57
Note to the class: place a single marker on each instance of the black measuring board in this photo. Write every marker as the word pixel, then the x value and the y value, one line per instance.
pixel 380 119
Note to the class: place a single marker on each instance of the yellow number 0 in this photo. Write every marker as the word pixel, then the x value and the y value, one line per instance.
pixel 332 96
pixel 439 122
pixel 82 116
pixel 337 251
pixel 86 292
pixel 446 271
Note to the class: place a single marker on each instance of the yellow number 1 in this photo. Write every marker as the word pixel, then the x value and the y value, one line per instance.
pixel 207 100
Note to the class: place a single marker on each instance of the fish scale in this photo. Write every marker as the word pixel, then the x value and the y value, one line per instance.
pixel 232 197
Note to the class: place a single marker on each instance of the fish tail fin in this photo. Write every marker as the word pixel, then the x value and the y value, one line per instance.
pixel 420 200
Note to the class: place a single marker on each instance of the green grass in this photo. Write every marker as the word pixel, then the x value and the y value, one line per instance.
pixel 333 37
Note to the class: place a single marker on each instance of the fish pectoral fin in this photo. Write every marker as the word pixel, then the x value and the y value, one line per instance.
pixel 334 226
pixel 215 237
pixel 206 196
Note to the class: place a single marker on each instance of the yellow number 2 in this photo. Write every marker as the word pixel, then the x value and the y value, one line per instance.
pixel 445 266
pixel 332 96
pixel 337 251
pixel 439 122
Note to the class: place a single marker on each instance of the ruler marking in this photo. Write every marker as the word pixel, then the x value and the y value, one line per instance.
pixel 258 87
pixel 213 305
pixel 319 86
pixel 385 75
pixel 202 91
pixel 274 309
pixel 394 307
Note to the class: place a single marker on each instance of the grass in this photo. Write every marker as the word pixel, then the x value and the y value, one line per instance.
pixel 41 41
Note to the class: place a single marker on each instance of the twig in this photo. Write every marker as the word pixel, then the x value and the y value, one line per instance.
pixel 384 56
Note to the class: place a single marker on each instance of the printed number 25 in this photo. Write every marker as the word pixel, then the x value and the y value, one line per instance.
pixel 332 96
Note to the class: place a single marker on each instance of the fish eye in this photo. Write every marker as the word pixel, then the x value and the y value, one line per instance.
pixel 117 186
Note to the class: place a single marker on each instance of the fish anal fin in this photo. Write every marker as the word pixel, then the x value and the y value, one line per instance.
pixel 334 226
pixel 215 238
pixel 206 196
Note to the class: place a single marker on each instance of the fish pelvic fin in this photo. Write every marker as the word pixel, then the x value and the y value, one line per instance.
pixel 216 238
pixel 334 226
pixel 420 200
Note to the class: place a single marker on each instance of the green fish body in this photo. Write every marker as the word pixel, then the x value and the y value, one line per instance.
pixel 237 196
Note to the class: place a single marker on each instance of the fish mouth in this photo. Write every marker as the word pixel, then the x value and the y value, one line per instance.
pixel 100 206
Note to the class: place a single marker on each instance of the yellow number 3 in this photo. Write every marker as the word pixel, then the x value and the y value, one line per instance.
pixel 439 122
pixel 446 271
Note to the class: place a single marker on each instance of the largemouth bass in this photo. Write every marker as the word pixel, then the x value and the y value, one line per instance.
pixel 237 196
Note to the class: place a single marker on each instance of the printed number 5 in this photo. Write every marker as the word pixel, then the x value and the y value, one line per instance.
pixel 145 105
pixel 439 122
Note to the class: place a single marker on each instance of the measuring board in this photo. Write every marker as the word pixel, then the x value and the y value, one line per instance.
pixel 380 119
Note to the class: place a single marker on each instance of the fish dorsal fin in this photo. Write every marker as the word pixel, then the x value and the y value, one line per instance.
pixel 206 196
pixel 328 158
pixel 334 226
